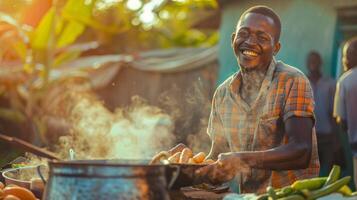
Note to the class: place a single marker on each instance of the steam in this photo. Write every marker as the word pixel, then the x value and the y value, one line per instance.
pixel 189 108
pixel 136 132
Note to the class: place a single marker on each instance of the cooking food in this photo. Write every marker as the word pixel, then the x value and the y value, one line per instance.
pixel 163 155
pixel 208 161
pixel 14 192
pixel 12 197
pixel 20 192
pixel 200 157
pixel 2 195
pixel 178 148
pixel 311 189
pixel 180 154
pixel 191 161
pixel 186 154
pixel 175 158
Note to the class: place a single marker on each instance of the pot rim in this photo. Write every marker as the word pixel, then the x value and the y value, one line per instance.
pixel 105 163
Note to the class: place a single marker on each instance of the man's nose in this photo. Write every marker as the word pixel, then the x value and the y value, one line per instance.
pixel 252 40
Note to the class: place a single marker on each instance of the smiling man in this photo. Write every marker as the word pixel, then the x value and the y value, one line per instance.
pixel 262 120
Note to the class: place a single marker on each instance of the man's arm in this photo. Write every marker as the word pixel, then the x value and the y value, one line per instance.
pixel 339 109
pixel 294 155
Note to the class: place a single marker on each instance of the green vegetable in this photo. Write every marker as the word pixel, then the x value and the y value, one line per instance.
pixel 334 187
pixel 283 192
pixel 305 192
pixel 345 190
pixel 263 197
pixel 293 197
pixel 271 192
pixel 287 190
pixel 334 175
pixel 310 184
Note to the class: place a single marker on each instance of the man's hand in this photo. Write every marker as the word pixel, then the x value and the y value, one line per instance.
pixel 224 169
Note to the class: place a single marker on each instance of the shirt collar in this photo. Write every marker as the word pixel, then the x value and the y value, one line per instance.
pixel 237 78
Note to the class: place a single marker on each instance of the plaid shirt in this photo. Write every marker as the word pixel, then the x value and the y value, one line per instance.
pixel 285 92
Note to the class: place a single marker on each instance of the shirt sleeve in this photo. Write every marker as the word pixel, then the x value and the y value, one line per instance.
pixel 299 101
pixel 339 109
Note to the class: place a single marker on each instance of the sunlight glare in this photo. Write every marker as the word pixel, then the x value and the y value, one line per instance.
pixel 147 17
pixel 134 4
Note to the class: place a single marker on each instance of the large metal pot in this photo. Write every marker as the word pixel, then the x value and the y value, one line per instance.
pixel 103 179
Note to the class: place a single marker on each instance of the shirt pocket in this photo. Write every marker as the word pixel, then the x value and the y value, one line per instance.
pixel 269 132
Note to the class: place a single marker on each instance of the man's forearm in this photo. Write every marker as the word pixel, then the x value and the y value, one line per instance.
pixel 290 156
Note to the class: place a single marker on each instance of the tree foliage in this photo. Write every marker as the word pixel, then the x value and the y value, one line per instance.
pixel 31 51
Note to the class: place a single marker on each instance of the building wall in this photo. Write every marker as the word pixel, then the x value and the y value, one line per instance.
pixel 306 25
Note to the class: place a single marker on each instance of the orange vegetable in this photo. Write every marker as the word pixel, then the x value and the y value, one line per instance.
pixel 20 192
pixel 11 197
pixel 200 157
pixel 208 161
pixel 185 155
pixel 175 158
pixel 191 161
pixel 178 148
pixel 2 185
pixel 2 195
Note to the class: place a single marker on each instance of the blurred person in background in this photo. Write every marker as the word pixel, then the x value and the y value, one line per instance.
pixel 324 91
pixel 345 105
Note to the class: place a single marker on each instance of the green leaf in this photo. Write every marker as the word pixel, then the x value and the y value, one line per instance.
pixel 81 8
pixel 78 10
pixel 70 33
pixel 44 30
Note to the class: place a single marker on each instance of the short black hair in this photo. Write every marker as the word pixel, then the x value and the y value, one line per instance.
pixel 266 11
pixel 315 53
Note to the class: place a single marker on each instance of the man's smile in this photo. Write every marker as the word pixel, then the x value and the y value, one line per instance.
pixel 249 53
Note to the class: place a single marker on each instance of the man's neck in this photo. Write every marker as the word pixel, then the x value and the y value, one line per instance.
pixel 314 77
pixel 251 82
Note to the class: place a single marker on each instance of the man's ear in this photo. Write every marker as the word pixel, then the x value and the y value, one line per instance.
pixel 232 38
pixel 277 48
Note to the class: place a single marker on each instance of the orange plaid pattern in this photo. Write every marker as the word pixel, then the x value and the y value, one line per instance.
pixel 285 92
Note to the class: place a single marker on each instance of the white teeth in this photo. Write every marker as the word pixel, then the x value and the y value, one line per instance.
pixel 249 53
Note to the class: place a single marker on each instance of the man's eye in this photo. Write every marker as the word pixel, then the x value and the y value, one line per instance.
pixel 243 34
pixel 263 38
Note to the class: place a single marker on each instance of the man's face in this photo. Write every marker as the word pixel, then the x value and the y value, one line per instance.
pixel 314 63
pixel 254 41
